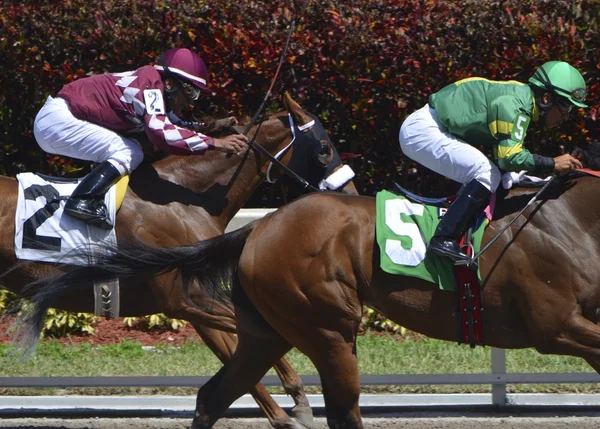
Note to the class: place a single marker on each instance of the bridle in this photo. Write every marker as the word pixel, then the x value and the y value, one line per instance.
pixel 258 148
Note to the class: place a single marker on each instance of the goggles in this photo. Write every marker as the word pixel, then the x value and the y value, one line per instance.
pixel 577 94
pixel 190 91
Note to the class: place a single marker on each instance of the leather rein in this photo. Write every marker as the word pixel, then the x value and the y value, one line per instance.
pixel 258 148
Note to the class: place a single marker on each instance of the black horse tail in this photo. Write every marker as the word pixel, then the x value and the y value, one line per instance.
pixel 211 264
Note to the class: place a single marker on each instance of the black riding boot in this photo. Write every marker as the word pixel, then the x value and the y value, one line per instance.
pixel 87 201
pixel 453 225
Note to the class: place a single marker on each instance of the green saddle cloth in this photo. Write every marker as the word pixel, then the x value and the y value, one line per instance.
pixel 403 230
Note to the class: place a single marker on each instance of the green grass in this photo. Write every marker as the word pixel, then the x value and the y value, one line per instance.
pixel 377 355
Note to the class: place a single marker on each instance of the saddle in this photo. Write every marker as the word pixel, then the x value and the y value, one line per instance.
pixel 443 202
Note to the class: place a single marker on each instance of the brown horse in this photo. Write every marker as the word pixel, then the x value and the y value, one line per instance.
pixel 178 201
pixel 301 275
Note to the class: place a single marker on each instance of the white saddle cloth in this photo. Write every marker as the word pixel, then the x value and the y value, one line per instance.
pixel 43 234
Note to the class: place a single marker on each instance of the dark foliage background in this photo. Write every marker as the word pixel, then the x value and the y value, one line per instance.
pixel 361 65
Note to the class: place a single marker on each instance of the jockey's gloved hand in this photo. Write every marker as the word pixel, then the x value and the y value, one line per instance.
pixel 566 163
pixel 234 143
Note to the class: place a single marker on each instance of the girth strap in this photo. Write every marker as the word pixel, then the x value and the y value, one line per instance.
pixel 469 302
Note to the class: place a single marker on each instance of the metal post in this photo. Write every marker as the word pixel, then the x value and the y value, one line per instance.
pixel 498 367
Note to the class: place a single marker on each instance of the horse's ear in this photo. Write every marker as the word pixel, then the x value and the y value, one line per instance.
pixel 299 116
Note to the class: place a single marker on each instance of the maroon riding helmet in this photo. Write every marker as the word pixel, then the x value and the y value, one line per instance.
pixel 185 65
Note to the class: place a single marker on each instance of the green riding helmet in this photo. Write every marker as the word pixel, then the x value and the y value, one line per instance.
pixel 562 79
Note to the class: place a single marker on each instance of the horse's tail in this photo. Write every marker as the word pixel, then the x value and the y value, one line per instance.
pixel 212 262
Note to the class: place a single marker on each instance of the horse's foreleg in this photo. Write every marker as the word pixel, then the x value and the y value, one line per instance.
pixel 241 373
pixel 223 346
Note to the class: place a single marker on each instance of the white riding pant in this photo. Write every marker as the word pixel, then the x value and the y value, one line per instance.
pixel 425 140
pixel 58 132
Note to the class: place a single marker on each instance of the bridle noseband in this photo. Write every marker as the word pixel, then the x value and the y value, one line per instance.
pixel 252 145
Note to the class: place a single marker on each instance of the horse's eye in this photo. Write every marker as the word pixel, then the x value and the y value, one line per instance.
pixel 325 154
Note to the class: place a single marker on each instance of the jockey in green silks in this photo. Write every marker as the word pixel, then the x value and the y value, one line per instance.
pixel 446 133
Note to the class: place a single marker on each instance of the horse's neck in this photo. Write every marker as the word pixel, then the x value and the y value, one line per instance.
pixel 212 182
pixel 566 208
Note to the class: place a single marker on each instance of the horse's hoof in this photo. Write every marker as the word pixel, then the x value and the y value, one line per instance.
pixel 304 416
pixel 201 421
pixel 199 425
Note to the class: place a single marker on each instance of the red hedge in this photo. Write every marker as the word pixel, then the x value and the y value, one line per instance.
pixel 362 66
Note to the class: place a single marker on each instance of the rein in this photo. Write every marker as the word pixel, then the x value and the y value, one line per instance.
pixel 288 171
pixel 497 236
pixel 252 144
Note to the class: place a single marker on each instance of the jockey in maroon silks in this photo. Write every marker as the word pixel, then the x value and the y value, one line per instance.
pixel 96 119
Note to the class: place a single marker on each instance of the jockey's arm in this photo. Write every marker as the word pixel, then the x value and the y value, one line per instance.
pixel 512 156
pixel 508 120
pixel 167 137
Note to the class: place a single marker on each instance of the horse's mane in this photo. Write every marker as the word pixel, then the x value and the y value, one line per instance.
pixel 221 127
pixel 589 155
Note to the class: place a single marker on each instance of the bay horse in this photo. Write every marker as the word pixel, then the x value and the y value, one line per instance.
pixel 176 201
pixel 300 276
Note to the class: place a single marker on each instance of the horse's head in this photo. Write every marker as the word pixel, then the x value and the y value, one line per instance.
pixel 222 183
pixel 308 152
pixel 590 155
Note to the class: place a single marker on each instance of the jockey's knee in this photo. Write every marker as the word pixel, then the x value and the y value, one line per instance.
pixel 121 168
pixel 489 176
pixel 128 158
pixel 137 156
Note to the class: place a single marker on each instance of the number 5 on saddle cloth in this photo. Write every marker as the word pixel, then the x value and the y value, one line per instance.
pixel 403 228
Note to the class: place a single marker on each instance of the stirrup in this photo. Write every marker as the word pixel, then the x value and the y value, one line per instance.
pixel 100 220
pixel 458 259
pixel 454 257
pixel 470 264
pixel 104 223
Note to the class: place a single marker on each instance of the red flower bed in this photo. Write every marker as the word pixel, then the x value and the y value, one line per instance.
pixel 115 331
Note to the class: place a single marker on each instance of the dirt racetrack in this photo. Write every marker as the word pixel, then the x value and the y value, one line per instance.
pixel 465 422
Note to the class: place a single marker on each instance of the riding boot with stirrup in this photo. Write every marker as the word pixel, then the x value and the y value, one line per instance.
pixel 87 201
pixel 455 222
